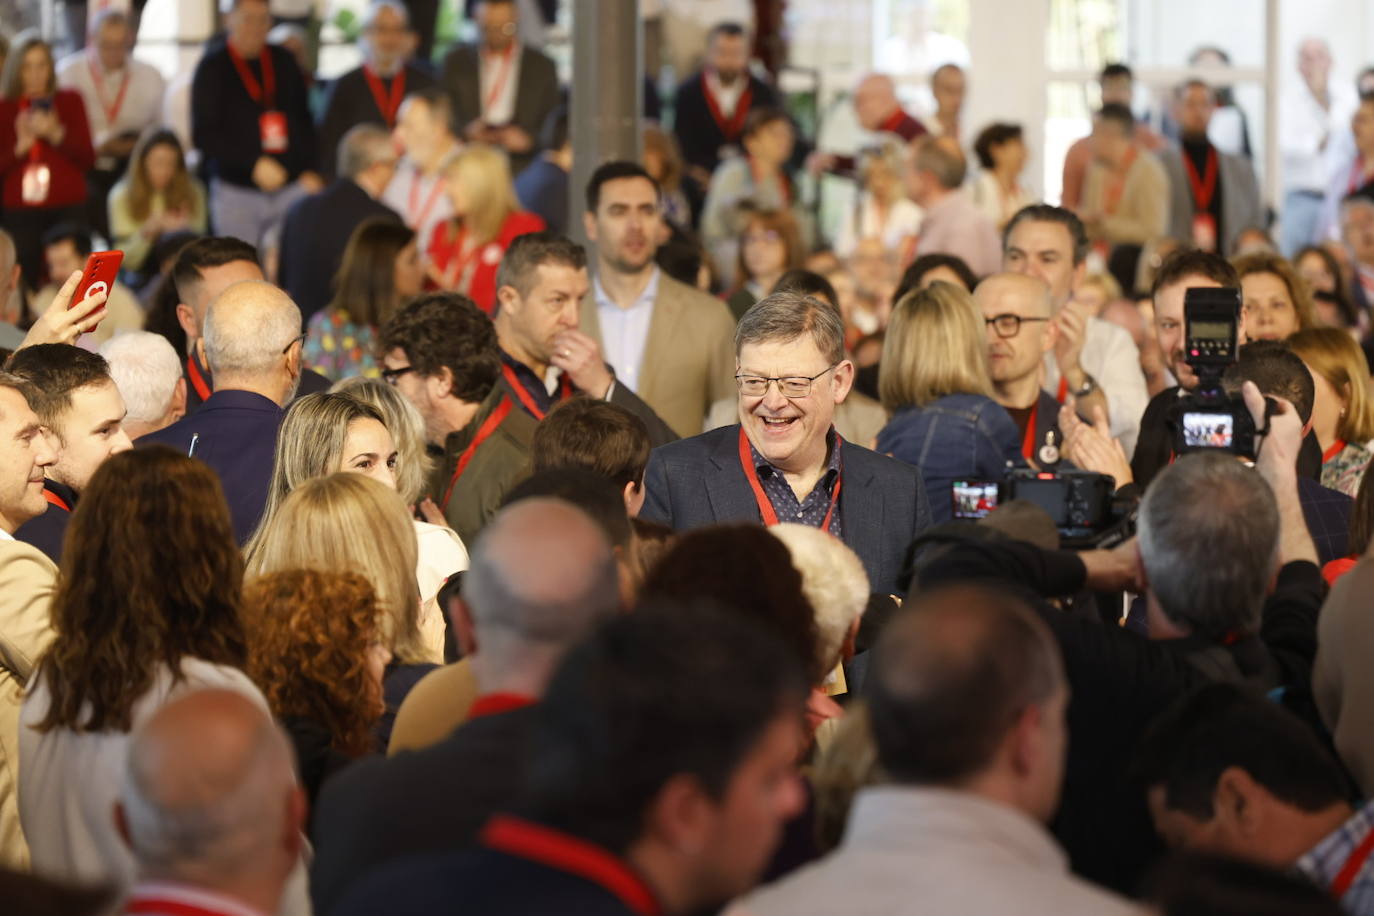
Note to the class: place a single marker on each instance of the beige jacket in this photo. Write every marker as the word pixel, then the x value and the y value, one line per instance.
pixel 689 355
pixel 1342 676
pixel 1141 214
pixel 27 582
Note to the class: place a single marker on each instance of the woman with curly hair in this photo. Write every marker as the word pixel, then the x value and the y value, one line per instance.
pixel 147 607
pixel 317 648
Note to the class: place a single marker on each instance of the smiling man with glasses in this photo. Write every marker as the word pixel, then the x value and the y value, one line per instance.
pixel 1017 311
pixel 784 462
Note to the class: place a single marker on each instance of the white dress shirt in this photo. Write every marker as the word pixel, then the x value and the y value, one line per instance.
pixel 420 199
pixel 1306 132
pixel 499 73
pixel 727 97
pixel 624 331
pixel 140 106
pixel 1111 358
pixel 901 222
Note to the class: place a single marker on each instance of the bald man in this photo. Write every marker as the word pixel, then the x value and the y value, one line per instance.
pixel 253 345
pixel 879 110
pixel 543 576
pixel 1017 310
pixel 210 808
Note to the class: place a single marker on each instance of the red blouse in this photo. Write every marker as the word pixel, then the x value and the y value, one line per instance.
pixel 68 161
pixel 445 248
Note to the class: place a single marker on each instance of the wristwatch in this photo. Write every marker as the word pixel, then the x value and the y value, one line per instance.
pixel 1089 386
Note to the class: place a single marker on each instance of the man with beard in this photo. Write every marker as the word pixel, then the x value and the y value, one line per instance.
pixel 667 342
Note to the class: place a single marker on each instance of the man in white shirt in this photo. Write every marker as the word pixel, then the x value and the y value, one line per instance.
pixel 1094 360
pixel 123 96
pixel 1311 116
pixel 27 582
pixel 424 131
pixel 966 700
pixel 668 343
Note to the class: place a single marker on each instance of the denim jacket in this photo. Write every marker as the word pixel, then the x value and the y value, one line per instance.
pixel 958 437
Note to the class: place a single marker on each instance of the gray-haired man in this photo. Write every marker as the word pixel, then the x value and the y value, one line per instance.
pixel 784 461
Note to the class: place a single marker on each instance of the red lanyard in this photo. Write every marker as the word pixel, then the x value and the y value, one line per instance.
pixel 537 843
pixel 264 94
pixel 893 122
pixel 56 500
pixel 483 434
pixel 1111 198
pixel 1336 448
pixel 1063 389
pixel 1028 442
pixel 419 219
pixel 564 391
pixel 388 105
pixel 155 906
pixel 770 515
pixel 498 82
pixel 457 269
pixel 111 111
pixel 197 380
pixel 1205 187
pixel 730 128
pixel 1351 869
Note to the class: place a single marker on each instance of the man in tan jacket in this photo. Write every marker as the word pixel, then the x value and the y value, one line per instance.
pixel 27 582
pixel 668 343
pixel 1126 193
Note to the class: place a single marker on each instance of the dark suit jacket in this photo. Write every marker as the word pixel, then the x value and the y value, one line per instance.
pixel 697 131
pixel 48 531
pixel 238 438
pixel 311 382
pixel 350 102
pixel 535 96
pixel 433 800
pixel 313 238
pixel 883 507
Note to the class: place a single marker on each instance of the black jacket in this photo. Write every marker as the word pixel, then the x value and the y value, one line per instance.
pixel 350 102
pixel 314 236
pixel 426 801
pixel 696 128
pixel 1120 681
pixel 48 531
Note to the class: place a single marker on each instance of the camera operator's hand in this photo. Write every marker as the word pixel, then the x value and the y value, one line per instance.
pixel 1277 463
pixel 1115 570
pixel 1091 446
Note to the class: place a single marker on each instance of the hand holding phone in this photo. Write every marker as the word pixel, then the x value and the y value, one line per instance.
pixel 102 269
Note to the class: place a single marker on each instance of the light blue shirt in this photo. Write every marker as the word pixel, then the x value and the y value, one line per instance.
pixel 624 331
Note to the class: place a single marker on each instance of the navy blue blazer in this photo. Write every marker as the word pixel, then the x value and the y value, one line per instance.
pixel 696 482
pixel 238 439
pixel 48 531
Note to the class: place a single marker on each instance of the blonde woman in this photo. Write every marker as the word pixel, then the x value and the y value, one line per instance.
pixel 157 196
pixel 882 210
pixel 442 552
pixel 1275 298
pixel 350 523
pixel 1343 411
pixel 934 378
pixel 465 251
pixel 325 433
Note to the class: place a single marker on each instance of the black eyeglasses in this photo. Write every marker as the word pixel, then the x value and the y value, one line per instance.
pixel 1008 325
pixel 391 375
pixel 792 386
pixel 294 341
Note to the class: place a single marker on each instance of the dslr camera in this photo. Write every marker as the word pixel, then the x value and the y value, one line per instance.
pixel 1208 418
pixel 1081 503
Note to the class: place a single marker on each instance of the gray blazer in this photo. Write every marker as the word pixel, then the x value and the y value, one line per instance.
pixel 536 95
pixel 697 482
pixel 1241 205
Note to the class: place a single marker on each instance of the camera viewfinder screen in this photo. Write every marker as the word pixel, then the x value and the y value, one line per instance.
pixel 1208 430
pixel 1047 494
pixel 973 498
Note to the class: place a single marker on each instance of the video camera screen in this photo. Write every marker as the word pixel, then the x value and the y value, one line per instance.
pixel 1208 430
pixel 973 498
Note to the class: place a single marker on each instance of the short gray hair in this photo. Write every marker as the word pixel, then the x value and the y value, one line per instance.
pixel 375 8
pixel 1209 542
pixel 145 368
pixel 833 580
pixel 248 326
pixel 219 834
pixel 937 156
pixel 363 147
pixel 785 316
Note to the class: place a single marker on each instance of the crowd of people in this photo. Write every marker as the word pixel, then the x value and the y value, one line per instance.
pixel 372 546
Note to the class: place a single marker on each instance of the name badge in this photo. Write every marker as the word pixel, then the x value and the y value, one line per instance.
pixel 1205 232
pixel 272 128
pixel 35 183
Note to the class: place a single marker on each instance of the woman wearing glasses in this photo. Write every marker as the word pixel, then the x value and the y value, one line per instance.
pixel 934 379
